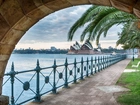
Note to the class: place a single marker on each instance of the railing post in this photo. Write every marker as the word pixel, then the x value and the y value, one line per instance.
pixel 66 72
pixel 38 96
pixel 87 68
pixel 119 58
pixel 12 75
pixel 91 65
pixel 101 63
pixel 95 64
pixel 114 59
pixel 82 68
pixel 106 62
pixel 75 70
pixel 54 78
pixel 98 64
pixel 109 60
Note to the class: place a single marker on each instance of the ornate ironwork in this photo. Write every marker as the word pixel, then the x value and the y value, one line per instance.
pixel 49 79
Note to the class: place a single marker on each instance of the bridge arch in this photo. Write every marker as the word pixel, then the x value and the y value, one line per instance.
pixel 17 16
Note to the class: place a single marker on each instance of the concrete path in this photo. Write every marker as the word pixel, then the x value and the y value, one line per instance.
pixel 98 89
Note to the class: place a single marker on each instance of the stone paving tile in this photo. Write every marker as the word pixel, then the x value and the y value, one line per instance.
pixel 87 92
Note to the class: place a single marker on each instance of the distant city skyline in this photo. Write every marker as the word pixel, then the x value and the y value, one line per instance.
pixel 52 31
pixel 59 45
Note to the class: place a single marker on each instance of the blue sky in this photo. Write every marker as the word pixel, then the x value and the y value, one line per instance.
pixel 52 31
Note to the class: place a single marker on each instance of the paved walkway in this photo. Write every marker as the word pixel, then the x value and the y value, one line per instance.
pixel 98 89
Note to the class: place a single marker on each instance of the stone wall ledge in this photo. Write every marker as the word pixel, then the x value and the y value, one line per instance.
pixel 4 100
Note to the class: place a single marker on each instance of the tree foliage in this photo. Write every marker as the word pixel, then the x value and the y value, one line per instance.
pixel 130 36
pixel 97 20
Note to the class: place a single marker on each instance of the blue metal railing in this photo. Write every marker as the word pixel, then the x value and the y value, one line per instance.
pixel 30 85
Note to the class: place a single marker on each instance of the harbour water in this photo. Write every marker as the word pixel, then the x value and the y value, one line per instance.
pixel 27 62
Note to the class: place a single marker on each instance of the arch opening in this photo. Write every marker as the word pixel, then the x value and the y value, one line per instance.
pixel 16 18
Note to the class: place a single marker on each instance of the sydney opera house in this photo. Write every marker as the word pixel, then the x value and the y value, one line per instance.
pixel 86 48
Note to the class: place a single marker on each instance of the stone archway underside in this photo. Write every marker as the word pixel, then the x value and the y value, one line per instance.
pixel 17 16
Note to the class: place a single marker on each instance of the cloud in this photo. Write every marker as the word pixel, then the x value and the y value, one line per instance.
pixel 54 28
pixel 112 33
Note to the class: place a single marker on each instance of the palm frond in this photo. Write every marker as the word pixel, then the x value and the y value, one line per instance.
pixel 80 22
pixel 99 19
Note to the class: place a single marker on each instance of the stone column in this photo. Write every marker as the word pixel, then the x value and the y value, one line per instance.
pixel 4 100
pixel 5 52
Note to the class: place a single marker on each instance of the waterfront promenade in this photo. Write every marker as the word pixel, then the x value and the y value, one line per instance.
pixel 98 89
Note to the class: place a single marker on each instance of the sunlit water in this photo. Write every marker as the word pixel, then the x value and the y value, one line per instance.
pixel 28 62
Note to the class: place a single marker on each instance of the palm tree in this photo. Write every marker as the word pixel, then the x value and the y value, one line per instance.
pixel 130 36
pixel 98 20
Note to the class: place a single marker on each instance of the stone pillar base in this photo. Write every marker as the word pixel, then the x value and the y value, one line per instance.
pixel 4 100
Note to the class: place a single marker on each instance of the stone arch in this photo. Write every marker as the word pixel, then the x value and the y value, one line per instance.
pixel 17 16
